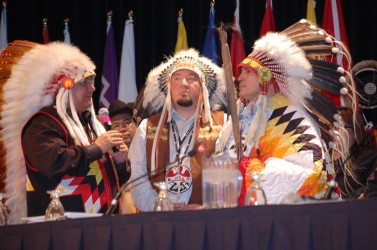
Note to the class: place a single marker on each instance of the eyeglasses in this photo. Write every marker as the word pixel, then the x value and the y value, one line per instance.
pixel 125 124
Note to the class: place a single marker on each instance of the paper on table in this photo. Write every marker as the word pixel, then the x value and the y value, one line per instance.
pixel 68 215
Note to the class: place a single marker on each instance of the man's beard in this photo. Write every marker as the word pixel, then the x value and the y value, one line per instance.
pixel 185 102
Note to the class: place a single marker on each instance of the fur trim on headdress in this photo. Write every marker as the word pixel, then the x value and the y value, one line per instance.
pixel 33 80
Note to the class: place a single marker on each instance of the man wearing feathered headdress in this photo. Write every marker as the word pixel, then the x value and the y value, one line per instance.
pixel 50 132
pixel 279 114
pixel 187 86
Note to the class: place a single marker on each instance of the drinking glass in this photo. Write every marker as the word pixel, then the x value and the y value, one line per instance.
pixel 221 180
pixel 255 196
pixel 162 203
pixel 3 211
pixel 55 210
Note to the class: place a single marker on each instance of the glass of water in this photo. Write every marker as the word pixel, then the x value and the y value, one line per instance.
pixel 55 210
pixel 162 203
pixel 221 181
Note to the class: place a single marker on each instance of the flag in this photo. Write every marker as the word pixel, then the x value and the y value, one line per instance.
pixel 181 35
pixel 268 23
pixel 127 79
pixel 109 78
pixel 333 23
pixel 46 38
pixel 67 36
pixel 237 50
pixel 3 28
pixel 310 12
pixel 210 47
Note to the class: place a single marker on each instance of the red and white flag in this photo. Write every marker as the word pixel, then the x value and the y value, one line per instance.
pixel 333 23
pixel 237 50
pixel 268 23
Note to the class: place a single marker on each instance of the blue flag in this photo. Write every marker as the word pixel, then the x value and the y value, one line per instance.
pixel 3 28
pixel 210 47
pixel 109 79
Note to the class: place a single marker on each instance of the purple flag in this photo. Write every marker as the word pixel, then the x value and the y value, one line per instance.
pixel 109 79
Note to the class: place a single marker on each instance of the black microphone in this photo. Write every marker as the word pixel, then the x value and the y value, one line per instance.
pixel 151 174
pixel 105 119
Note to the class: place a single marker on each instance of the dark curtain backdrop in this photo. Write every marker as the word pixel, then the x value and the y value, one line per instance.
pixel 156 25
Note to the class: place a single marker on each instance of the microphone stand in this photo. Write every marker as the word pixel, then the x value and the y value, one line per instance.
pixel 156 172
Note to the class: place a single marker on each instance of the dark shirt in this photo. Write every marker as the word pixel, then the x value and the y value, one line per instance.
pixel 51 156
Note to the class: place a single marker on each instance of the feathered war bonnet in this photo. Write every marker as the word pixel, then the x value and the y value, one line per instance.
pixel 293 61
pixel 34 76
pixel 157 87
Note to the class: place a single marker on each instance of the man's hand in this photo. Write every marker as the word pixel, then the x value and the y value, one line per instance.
pixel 108 140
pixel 122 155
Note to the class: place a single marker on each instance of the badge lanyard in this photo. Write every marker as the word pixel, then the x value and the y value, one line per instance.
pixel 178 142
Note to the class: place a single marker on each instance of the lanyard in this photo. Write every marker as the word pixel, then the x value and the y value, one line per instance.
pixel 178 143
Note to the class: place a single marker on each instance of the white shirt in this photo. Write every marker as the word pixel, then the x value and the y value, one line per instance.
pixel 143 195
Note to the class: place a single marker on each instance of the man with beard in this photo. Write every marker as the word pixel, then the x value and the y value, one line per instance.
pixel 187 88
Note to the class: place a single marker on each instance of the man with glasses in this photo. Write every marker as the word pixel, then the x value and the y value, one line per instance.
pixel 122 120
pixel 121 116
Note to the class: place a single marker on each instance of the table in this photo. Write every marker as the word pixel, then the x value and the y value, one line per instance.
pixel 332 225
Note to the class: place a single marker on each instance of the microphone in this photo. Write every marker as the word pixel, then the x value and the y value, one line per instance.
pixel 105 119
pixel 151 174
